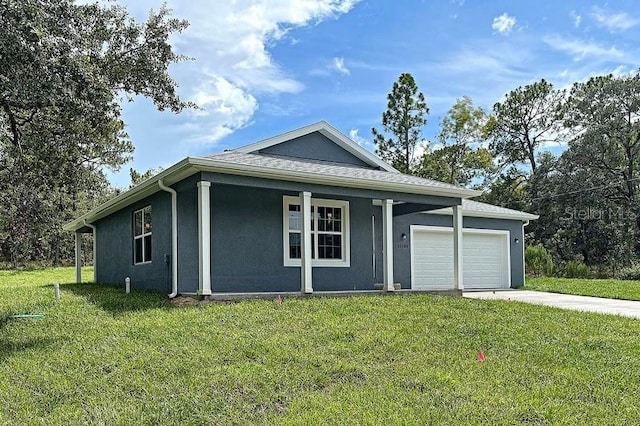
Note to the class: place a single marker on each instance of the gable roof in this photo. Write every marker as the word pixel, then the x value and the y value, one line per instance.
pixel 472 208
pixel 331 133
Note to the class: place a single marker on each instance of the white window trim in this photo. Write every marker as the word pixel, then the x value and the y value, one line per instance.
pixel 345 262
pixel 141 236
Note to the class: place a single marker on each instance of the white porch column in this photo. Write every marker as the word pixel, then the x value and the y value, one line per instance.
pixel 95 256
pixel 458 282
pixel 78 257
pixel 387 244
pixel 204 238
pixel 306 275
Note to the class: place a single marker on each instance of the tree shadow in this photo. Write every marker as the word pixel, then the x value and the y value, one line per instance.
pixel 9 346
pixel 113 299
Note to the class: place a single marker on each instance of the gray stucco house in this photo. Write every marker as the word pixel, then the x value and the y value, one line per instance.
pixel 306 211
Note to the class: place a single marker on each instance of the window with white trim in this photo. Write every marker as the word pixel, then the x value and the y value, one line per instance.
pixel 142 235
pixel 329 232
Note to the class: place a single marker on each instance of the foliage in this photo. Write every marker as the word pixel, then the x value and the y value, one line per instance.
pixel 402 124
pixel 137 177
pixel 630 273
pixel 575 269
pixel 529 117
pixel 103 357
pixel 587 198
pixel 459 158
pixel 607 288
pixel 538 261
pixel 605 117
pixel 65 68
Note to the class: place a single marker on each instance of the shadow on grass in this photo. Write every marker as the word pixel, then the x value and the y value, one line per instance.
pixel 113 299
pixel 9 347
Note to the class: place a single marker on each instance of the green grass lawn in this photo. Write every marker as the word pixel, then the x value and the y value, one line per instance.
pixel 609 288
pixel 103 357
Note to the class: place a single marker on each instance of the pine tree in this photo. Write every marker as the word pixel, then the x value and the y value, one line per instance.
pixel 402 124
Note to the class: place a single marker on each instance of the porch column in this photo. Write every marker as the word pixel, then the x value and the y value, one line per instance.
pixel 78 257
pixel 306 275
pixel 95 256
pixel 458 282
pixel 387 244
pixel 204 238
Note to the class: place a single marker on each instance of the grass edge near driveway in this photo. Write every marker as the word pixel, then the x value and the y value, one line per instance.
pixel 607 288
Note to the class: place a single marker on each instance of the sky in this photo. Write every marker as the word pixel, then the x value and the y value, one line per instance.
pixel 263 67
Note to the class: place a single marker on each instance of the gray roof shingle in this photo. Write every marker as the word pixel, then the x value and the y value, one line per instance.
pixel 325 168
pixel 476 208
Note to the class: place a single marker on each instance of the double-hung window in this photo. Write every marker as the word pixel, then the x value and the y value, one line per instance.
pixel 142 235
pixel 329 232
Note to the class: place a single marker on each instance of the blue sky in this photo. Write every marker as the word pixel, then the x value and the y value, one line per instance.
pixel 263 67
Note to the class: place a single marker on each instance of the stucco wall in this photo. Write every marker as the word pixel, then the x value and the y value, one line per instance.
pixel 247 239
pixel 114 246
pixel 402 249
pixel 247 244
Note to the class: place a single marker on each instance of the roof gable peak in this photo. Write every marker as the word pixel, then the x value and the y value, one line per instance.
pixel 331 133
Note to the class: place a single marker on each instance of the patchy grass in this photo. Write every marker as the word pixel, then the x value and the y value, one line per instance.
pixel 609 288
pixel 102 357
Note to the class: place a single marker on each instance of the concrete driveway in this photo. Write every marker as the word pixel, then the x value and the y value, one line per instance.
pixel 625 308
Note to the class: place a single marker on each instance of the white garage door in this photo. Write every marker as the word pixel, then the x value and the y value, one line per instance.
pixel 485 258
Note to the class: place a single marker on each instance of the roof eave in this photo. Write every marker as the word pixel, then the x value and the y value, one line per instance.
pixel 209 164
pixel 489 215
pixel 191 165
pixel 171 175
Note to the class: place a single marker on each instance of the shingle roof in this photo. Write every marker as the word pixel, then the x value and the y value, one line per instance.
pixel 478 209
pixel 326 168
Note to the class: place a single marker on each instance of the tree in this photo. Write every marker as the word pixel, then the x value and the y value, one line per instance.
pixel 604 116
pixel 65 70
pixel 138 177
pixel 459 159
pixel 402 124
pixel 529 117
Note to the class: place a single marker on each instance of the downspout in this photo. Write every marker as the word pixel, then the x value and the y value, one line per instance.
pixel 93 228
pixel 174 238
pixel 524 263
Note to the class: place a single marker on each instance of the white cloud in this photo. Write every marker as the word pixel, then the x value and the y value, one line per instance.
pixel 338 64
pixel 614 21
pixel 363 142
pixel 503 23
pixel 231 43
pixel 577 18
pixel 226 106
pixel 579 49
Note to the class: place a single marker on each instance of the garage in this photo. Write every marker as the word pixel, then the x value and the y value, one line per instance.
pixel 485 258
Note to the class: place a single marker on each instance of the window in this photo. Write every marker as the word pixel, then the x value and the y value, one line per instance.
pixel 329 232
pixel 142 235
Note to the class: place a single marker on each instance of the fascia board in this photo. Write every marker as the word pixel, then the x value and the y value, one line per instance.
pixel 171 175
pixel 489 215
pixel 211 165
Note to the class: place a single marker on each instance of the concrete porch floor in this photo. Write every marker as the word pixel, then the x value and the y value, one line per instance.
pixel 349 293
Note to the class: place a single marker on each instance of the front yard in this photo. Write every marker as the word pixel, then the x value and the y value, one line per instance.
pixel 102 357
pixel 609 288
